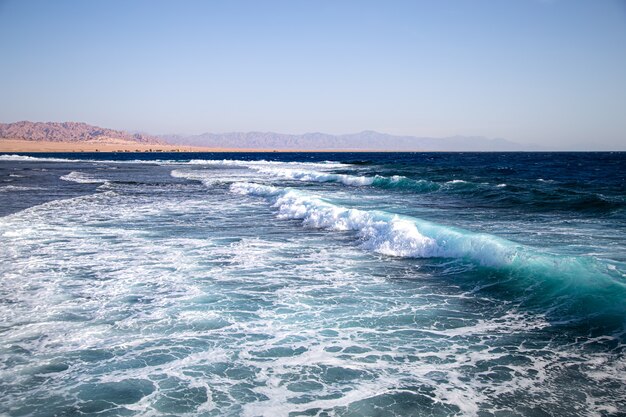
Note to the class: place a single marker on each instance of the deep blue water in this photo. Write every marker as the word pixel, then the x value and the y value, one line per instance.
pixel 327 284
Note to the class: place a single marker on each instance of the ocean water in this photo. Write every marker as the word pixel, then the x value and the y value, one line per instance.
pixel 330 284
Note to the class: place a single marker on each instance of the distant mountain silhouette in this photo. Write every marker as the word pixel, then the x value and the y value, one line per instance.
pixel 364 141
pixel 70 132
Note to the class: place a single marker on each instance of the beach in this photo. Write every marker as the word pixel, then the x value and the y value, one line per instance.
pixel 29 146
pixel 16 145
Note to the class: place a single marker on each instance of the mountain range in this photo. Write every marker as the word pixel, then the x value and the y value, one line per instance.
pixel 364 141
pixel 70 132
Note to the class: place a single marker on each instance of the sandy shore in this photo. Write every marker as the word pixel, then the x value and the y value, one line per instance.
pixel 14 145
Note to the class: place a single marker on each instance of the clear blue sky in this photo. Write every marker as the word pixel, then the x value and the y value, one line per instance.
pixel 533 71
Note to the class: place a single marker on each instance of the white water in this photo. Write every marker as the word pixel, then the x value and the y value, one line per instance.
pixel 199 296
pixel 82 178
pixel 385 233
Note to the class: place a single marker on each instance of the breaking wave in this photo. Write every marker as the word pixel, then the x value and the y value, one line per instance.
pixel 11 157
pixel 548 274
pixel 214 162
pixel 396 181
pixel 82 178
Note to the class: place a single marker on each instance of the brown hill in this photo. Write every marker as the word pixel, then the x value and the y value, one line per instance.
pixel 70 132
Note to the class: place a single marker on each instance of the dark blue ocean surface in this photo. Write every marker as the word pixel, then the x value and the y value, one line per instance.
pixel 325 284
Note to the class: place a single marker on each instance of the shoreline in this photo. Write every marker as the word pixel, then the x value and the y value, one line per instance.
pixel 28 146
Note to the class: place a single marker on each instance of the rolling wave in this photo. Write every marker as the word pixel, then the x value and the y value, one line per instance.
pixel 396 181
pixel 82 178
pixel 214 162
pixel 580 279
pixel 264 163
pixel 25 158
pixel 534 197
pixel 14 188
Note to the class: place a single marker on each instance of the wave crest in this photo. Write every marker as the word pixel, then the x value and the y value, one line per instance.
pixel 396 181
pixel 581 285
pixel 385 233
pixel 82 178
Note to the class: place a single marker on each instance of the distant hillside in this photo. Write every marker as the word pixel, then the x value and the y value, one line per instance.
pixel 70 132
pixel 364 141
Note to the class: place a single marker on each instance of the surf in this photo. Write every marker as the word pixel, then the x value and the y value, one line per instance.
pixel 580 284
pixel 379 181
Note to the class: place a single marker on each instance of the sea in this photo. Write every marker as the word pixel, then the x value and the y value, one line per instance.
pixel 313 284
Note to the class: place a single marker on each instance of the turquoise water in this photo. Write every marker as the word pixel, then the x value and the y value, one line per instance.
pixel 313 284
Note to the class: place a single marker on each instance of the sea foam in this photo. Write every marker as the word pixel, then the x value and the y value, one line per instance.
pixel 385 233
pixel 395 181
pixel 316 176
pixel 588 285
pixel 264 163
pixel 82 178
pixel 25 158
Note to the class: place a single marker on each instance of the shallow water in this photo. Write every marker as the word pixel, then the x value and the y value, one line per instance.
pixel 313 284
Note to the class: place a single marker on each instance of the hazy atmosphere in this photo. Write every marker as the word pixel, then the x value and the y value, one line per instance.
pixel 547 73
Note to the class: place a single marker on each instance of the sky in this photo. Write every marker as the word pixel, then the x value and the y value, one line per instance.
pixel 547 72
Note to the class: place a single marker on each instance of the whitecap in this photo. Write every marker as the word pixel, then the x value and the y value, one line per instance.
pixel 385 233
pixel 82 178
pixel 9 188
pixel 316 176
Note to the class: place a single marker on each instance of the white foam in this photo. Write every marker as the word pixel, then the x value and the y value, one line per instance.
pixel 316 176
pixel 85 256
pixel 307 175
pixel 251 188
pixel 25 158
pixel 9 188
pixel 398 178
pixel 193 175
pixel 211 177
pixel 82 178
pixel 263 163
pixel 9 157
pixel 385 233
pixel 215 162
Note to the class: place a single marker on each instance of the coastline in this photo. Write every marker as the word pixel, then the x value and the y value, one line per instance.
pixel 30 146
